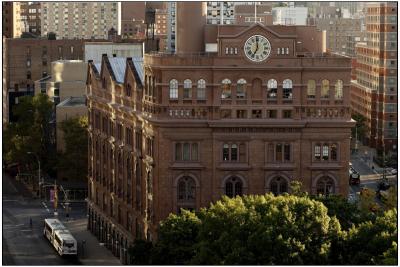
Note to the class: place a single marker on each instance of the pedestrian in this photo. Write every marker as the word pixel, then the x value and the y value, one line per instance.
pixel 30 222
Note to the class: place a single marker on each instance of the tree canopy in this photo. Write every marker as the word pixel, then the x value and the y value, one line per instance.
pixel 274 230
pixel 72 162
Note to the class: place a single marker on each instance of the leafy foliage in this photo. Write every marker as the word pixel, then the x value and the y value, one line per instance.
pixel 73 162
pixel 31 132
pixel 270 230
pixel 373 242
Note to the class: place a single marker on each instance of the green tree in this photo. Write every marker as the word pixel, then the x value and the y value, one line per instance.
pixel 31 132
pixel 181 231
pixel 360 126
pixel 141 252
pixel 265 230
pixel 338 206
pixel 373 242
pixel 73 162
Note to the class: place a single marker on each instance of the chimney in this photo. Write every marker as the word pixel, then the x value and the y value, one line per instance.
pixel 190 22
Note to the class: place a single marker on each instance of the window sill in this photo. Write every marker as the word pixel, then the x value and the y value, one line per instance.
pixel 186 165
pixel 234 166
pixel 279 166
pixel 325 165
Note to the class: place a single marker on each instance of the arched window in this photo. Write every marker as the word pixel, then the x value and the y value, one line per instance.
pixel 339 89
pixel 186 189
pixel 311 89
pixel 272 89
pixel 226 89
pixel 325 89
pixel 325 186
pixel 333 152
pixel 187 89
pixel 173 89
pixel 287 89
pixel 201 89
pixel 233 187
pixel 241 88
pixel 278 186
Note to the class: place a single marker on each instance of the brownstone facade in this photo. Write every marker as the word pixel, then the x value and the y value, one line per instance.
pixel 182 130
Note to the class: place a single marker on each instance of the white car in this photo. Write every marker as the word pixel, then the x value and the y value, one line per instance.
pixel 394 171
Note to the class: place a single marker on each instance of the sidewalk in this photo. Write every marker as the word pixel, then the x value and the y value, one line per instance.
pixel 94 254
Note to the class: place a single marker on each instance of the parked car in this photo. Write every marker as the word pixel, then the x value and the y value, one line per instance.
pixel 393 171
pixel 354 177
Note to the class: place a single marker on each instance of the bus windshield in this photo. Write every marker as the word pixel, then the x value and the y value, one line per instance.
pixel 68 244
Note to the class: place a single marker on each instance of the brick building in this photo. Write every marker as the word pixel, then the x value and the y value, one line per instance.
pixel 11 19
pixel 31 17
pixel 181 130
pixel 28 60
pixel 374 92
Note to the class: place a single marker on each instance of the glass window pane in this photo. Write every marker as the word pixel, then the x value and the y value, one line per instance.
pixel 194 151
pixel 234 152
pixel 186 151
pixel 225 152
pixel 178 151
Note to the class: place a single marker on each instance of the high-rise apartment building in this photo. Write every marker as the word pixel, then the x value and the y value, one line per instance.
pixel 181 130
pixel 337 32
pixel 11 19
pixel 221 12
pixel 86 20
pixel 290 15
pixel 374 93
pixel 31 17
pixel 26 60
pixel 133 19
pixel 248 14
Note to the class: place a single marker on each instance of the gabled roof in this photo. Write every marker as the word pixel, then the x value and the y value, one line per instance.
pixel 138 64
pixel 118 65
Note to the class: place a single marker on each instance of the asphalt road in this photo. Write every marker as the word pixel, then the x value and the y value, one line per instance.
pixel 369 177
pixel 23 245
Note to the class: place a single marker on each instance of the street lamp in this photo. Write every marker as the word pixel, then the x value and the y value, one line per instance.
pixel 37 158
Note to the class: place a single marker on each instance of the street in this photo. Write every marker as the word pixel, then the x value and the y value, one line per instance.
pixel 369 176
pixel 23 245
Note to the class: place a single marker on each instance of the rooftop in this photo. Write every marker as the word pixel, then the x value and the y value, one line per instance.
pixel 73 102
pixel 118 66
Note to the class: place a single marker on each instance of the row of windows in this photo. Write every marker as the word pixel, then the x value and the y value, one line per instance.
pixel 237 151
pixel 241 86
pixel 186 193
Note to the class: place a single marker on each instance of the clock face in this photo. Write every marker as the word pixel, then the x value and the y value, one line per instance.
pixel 257 48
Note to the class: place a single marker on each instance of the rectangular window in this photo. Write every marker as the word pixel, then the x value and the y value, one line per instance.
pixel 241 114
pixel 325 152
pixel 226 113
pixel 272 113
pixel 186 151
pixel 287 152
pixel 234 152
pixel 28 62
pixel 287 114
pixel 278 152
pixel 225 152
pixel 256 114
pixel 317 152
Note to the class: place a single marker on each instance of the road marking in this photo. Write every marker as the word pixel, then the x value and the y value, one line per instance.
pixel 26 230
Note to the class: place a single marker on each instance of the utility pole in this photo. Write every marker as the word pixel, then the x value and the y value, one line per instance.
pixel 55 198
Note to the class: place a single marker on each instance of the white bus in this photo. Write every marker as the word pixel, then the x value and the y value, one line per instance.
pixel 59 237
